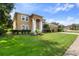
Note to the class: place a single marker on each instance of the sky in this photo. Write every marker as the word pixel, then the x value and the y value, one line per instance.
pixel 63 13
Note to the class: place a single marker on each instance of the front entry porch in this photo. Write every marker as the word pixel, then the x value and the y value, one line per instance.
pixel 37 24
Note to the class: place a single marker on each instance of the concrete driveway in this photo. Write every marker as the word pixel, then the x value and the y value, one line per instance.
pixel 70 33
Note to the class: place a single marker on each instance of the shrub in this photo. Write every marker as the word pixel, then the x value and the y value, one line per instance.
pixel 37 31
pixel 22 31
pixel 2 31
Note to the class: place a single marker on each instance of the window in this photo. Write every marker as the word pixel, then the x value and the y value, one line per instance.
pixel 22 17
pixel 25 18
pixel 25 27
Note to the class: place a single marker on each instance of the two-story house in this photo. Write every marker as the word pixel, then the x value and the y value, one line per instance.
pixel 27 22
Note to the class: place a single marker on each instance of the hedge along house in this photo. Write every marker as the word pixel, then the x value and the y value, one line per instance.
pixel 27 22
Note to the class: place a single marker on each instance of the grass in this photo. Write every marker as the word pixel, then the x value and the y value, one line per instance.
pixel 49 44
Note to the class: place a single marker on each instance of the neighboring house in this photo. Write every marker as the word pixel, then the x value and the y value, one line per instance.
pixel 27 22
pixel 50 27
pixel 53 27
pixel 67 28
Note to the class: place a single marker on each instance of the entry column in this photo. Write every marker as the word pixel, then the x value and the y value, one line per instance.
pixel 33 25
pixel 41 25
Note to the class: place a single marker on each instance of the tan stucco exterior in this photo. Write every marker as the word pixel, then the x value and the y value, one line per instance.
pixel 18 22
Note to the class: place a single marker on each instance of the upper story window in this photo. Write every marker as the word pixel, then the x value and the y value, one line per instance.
pixel 25 18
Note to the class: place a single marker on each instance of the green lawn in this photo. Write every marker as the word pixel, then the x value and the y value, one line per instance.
pixel 46 45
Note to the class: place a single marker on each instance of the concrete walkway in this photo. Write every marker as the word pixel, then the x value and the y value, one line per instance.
pixel 70 33
pixel 73 50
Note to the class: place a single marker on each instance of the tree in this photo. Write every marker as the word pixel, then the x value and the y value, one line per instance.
pixel 55 23
pixel 46 27
pixel 74 26
pixel 77 26
pixel 60 28
pixel 9 23
pixel 5 9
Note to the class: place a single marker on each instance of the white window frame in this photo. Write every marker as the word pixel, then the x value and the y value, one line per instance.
pixel 23 16
pixel 27 17
pixel 26 27
pixel 22 27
